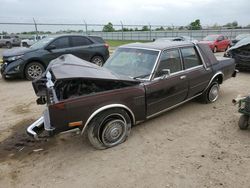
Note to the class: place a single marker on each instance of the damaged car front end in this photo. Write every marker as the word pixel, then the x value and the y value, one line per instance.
pixel 73 90
pixel 241 53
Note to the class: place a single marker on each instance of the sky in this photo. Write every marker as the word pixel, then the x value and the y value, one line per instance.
pixel 144 12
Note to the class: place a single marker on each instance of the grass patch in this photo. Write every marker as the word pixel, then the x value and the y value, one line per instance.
pixel 116 43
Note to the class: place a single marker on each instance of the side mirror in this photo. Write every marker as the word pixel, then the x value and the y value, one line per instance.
pixel 165 73
pixel 50 47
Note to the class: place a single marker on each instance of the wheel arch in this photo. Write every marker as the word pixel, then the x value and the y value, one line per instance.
pixel 218 76
pixel 110 106
pixel 97 54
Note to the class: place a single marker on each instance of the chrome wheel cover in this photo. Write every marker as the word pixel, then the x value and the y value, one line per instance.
pixel 213 93
pixel 114 132
pixel 34 71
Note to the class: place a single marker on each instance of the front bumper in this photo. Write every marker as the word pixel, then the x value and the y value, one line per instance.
pixel 12 69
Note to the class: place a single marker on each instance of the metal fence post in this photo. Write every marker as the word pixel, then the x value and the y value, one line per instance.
pixel 35 27
pixel 150 31
pixel 122 30
pixel 86 27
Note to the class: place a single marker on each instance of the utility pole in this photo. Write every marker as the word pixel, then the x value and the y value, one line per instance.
pixel 86 27
pixel 35 27
pixel 150 30
pixel 122 29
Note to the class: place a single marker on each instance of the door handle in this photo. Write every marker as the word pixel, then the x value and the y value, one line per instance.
pixel 183 77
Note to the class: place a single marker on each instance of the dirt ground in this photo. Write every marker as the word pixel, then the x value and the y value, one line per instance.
pixel 194 145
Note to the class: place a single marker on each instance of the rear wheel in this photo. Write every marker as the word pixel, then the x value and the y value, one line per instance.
pixel 109 128
pixel 8 45
pixel 243 122
pixel 98 60
pixel 34 70
pixel 215 49
pixel 212 93
pixel 25 44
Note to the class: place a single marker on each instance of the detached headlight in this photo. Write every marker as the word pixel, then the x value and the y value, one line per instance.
pixel 14 58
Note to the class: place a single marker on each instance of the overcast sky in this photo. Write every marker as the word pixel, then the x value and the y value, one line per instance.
pixel 155 12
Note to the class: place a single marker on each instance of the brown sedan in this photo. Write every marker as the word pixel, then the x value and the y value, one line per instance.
pixel 138 81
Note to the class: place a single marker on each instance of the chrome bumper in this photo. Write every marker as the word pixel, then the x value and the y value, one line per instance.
pixel 31 130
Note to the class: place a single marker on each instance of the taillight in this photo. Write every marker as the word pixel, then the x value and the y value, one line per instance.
pixel 106 45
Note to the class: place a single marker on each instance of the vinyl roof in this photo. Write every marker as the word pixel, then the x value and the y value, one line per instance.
pixel 159 45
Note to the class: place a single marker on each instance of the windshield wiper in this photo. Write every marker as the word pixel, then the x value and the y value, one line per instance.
pixel 141 76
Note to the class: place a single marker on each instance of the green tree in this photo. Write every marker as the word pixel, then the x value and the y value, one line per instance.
pixel 145 28
pixel 195 25
pixel 159 29
pixel 108 28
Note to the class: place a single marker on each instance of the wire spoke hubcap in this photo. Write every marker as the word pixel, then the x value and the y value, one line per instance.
pixel 113 132
pixel 214 93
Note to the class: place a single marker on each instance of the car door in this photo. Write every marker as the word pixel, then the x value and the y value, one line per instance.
pixel 82 47
pixel 61 46
pixel 163 92
pixel 220 43
pixel 197 74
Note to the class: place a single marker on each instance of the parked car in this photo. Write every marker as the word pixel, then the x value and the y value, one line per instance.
pixel 217 42
pixel 139 81
pixel 30 41
pixel 31 62
pixel 179 38
pixel 239 37
pixel 9 41
pixel 241 53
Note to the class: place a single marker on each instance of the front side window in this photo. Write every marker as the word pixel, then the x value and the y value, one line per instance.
pixel 60 43
pixel 171 60
pixel 80 41
pixel 190 57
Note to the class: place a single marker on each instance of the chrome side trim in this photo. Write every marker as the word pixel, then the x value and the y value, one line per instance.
pixel 152 49
pixel 218 73
pixel 105 108
pixel 170 108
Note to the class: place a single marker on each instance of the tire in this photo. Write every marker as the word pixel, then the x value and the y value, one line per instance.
pixel 243 122
pixel 25 44
pixel 211 94
pixel 109 128
pixel 215 49
pixel 33 70
pixel 8 45
pixel 98 60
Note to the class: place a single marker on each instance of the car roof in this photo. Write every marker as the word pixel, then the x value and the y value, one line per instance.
pixel 158 45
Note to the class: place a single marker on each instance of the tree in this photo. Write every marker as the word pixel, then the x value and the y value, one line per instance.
pixel 145 28
pixel 195 25
pixel 108 28
pixel 159 29
pixel 233 24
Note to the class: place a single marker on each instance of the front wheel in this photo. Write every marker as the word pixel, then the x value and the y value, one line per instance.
pixel 8 45
pixel 215 49
pixel 109 128
pixel 34 70
pixel 212 93
pixel 243 122
pixel 98 60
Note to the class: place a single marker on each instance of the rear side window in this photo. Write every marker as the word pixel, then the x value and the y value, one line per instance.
pixel 97 39
pixel 190 57
pixel 80 41
pixel 169 60
pixel 6 37
pixel 62 42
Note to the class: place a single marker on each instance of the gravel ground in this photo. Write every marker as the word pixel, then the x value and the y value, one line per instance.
pixel 194 145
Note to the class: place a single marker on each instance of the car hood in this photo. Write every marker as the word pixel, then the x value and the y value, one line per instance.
pixel 241 43
pixel 17 51
pixel 69 66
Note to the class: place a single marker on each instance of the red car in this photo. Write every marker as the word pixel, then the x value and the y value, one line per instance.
pixel 217 42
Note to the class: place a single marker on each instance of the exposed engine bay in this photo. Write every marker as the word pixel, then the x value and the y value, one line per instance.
pixel 66 89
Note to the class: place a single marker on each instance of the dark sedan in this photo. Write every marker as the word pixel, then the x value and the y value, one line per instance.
pixel 139 81
pixel 31 62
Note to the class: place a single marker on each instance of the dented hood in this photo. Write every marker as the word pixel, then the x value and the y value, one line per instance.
pixel 69 66
pixel 241 43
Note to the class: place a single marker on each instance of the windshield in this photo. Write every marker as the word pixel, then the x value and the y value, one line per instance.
pixel 41 43
pixel 210 38
pixel 132 62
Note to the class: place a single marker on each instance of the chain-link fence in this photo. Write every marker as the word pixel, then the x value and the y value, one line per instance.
pixel 122 32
